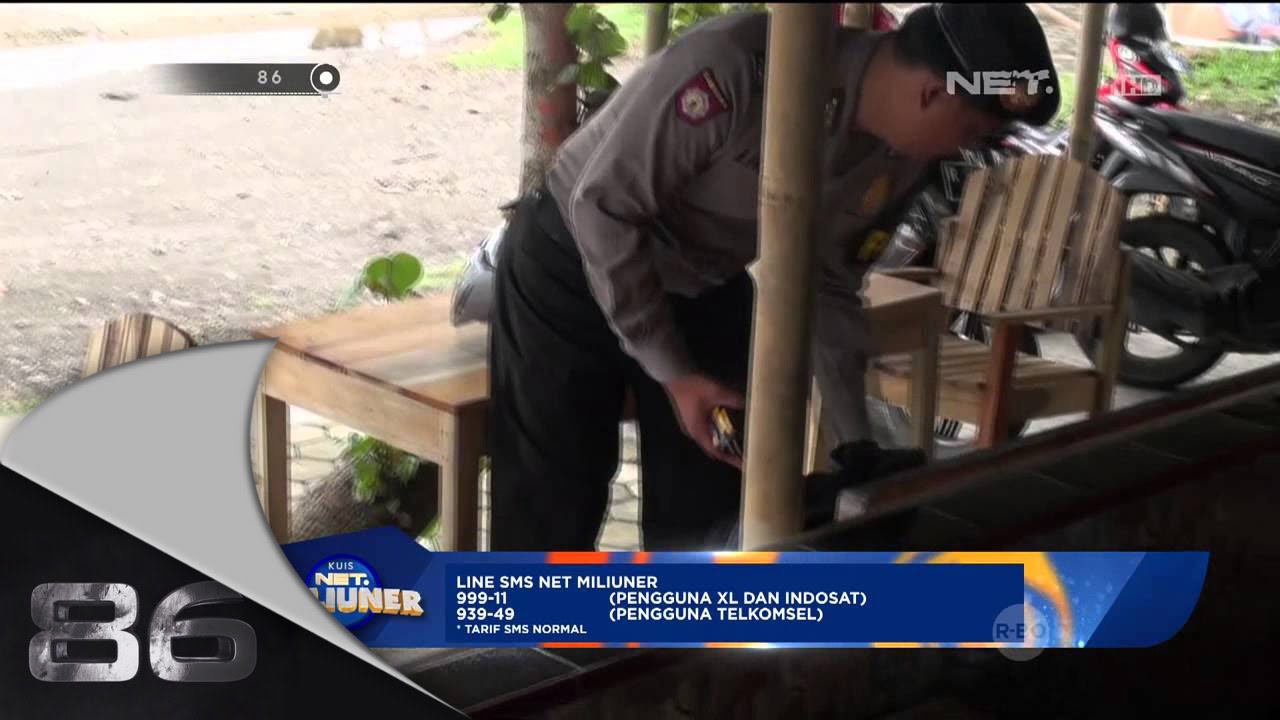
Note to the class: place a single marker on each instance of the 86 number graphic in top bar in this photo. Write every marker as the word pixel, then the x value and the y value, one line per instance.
pixel 249 78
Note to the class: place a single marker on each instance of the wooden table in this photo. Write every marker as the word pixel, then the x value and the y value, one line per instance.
pixel 401 373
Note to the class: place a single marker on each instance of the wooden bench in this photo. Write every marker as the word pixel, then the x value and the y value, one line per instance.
pixel 1036 240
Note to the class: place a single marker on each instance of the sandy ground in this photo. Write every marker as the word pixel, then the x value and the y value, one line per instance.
pixel 33 24
pixel 229 213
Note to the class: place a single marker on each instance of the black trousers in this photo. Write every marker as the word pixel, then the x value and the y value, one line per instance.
pixel 558 377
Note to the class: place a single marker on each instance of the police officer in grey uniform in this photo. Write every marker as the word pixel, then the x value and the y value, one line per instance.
pixel 627 270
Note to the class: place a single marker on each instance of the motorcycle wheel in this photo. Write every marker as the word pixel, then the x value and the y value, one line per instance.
pixel 1183 247
pixel 951 436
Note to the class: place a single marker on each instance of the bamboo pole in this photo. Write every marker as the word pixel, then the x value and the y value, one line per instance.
pixel 857 15
pixel 1088 67
pixel 657 27
pixel 790 180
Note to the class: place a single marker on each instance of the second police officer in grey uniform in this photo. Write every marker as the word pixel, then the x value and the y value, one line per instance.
pixel 628 269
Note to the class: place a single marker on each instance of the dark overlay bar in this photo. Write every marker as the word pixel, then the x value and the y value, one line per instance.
pixel 248 78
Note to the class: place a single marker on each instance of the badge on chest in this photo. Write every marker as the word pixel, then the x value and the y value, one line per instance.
pixel 873 244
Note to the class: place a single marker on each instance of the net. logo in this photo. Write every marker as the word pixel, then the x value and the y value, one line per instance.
pixel 1000 82
pixel 349 588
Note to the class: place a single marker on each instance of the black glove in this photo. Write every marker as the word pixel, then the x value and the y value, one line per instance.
pixel 857 464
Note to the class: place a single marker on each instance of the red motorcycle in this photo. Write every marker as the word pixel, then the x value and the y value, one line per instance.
pixel 1148 69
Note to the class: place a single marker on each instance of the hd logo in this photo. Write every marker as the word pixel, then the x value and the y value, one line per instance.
pixel 349 588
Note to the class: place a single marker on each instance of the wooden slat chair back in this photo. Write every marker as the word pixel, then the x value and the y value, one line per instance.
pixel 129 338
pixel 1036 240
pixel 1036 234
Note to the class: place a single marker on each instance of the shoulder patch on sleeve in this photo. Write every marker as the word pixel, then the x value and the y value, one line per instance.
pixel 701 99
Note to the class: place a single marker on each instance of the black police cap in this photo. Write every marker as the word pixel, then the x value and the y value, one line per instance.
pixel 998 38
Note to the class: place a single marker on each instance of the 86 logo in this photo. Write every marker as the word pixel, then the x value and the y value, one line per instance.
pixel 85 635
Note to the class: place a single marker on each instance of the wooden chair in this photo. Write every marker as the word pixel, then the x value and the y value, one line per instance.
pixel 1035 240
pixel 129 338
pixel 905 318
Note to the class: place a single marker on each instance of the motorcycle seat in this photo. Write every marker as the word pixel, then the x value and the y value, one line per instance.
pixel 1246 142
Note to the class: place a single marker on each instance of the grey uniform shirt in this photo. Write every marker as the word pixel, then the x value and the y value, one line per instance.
pixel 678 146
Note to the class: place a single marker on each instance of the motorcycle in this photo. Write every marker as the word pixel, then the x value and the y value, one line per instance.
pixel 1206 241
pixel 1209 262
pixel 1147 73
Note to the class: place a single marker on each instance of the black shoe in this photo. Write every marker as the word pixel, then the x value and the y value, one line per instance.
pixel 857 464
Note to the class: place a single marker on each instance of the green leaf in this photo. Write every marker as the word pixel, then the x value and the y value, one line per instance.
pixel 580 17
pixel 377 276
pixel 406 467
pixel 592 76
pixel 431 533
pixel 613 42
pixel 368 483
pixel 499 12
pixel 590 42
pixel 568 75
pixel 406 273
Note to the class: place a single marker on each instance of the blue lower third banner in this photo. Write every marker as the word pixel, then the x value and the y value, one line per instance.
pixel 391 592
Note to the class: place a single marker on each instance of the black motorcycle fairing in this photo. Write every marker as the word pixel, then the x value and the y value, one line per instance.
pixel 1141 179
pixel 1247 190
pixel 1261 147
pixel 1141 135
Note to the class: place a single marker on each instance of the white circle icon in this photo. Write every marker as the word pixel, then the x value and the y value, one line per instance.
pixel 1021 632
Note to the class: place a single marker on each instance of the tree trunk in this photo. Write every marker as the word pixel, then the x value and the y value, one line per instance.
pixel 550 110
pixel 328 507
pixel 657 27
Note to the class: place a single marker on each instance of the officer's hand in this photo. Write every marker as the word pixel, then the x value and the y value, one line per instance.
pixel 694 397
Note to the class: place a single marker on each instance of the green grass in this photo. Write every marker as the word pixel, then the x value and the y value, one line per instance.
pixel 1234 78
pixel 19 407
pixel 505 47
pixel 1067 103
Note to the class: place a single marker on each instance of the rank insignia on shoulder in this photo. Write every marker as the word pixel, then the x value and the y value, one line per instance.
pixel 701 99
